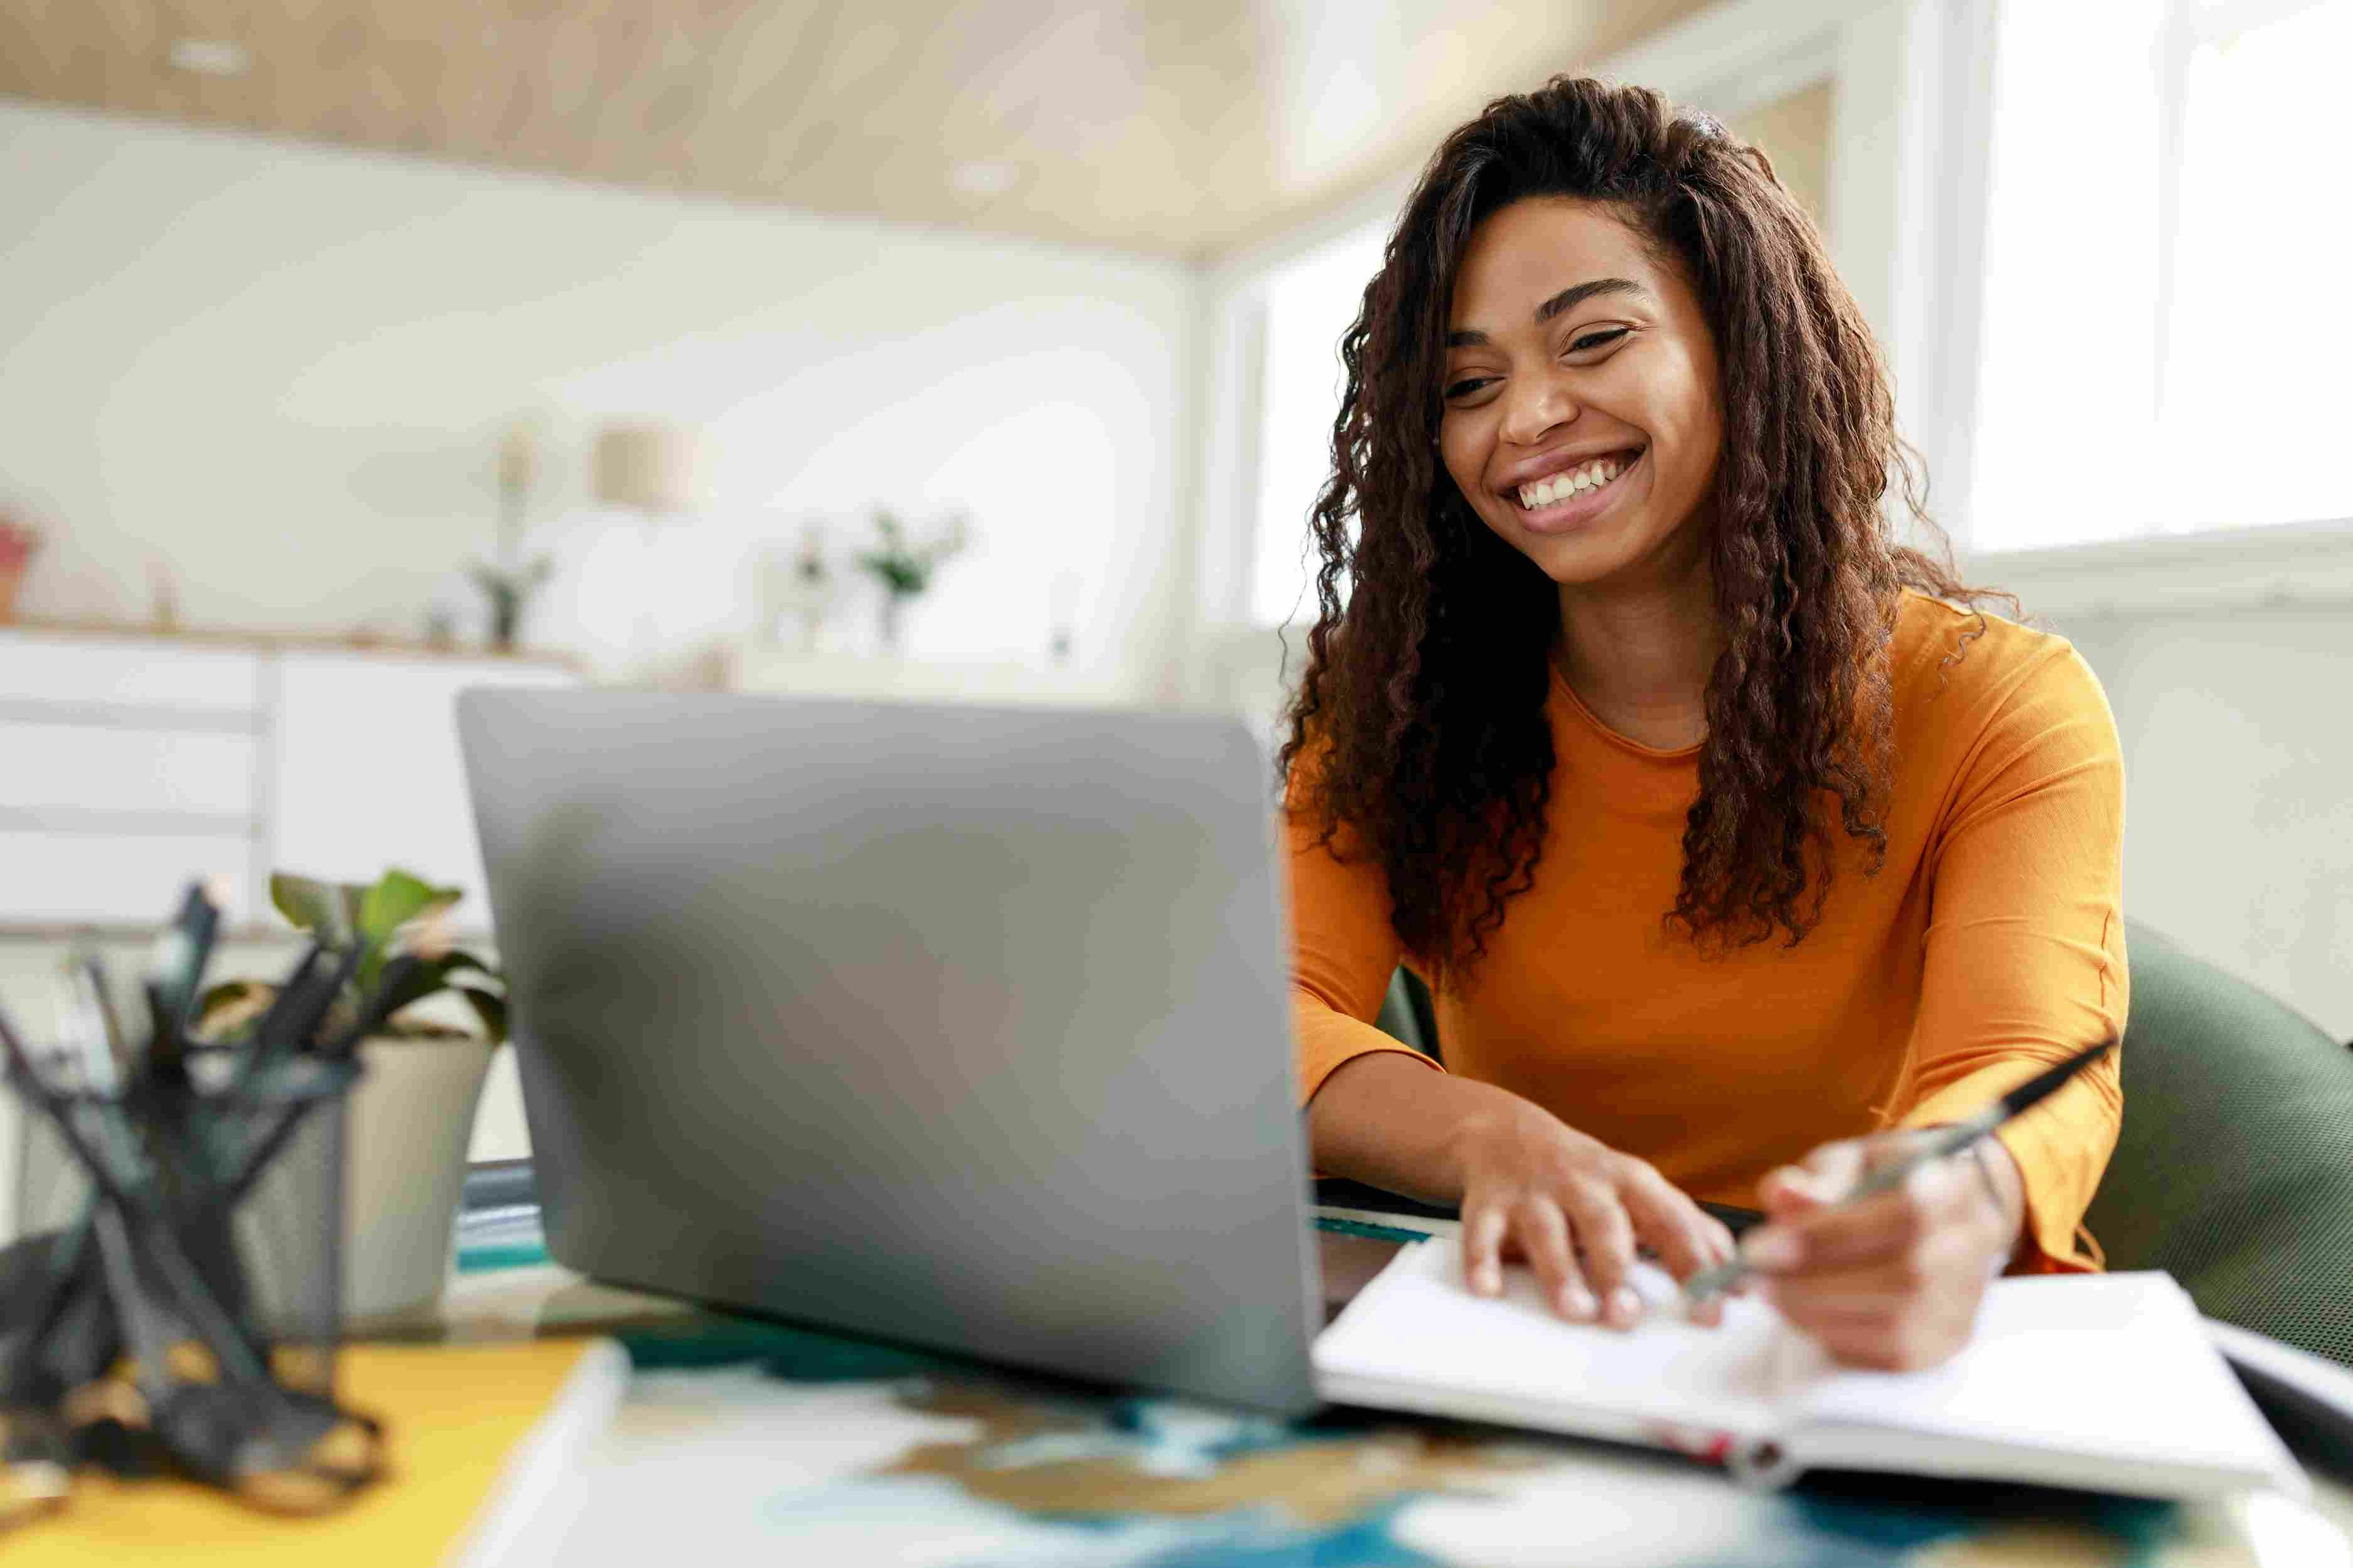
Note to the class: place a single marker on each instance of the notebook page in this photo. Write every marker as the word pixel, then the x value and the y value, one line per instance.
pixel 2110 1365
pixel 1416 1326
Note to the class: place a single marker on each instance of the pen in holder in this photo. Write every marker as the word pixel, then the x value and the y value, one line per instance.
pixel 175 1304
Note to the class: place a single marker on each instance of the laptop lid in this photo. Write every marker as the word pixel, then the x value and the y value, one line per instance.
pixel 961 1026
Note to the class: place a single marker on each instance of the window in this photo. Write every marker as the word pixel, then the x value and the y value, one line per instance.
pixel 1308 305
pixel 2164 320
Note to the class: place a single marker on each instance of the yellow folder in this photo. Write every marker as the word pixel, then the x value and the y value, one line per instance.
pixel 452 1415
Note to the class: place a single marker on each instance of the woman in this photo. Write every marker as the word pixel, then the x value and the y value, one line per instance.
pixel 1732 839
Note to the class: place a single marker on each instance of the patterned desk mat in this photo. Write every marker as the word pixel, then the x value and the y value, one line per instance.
pixel 817 1447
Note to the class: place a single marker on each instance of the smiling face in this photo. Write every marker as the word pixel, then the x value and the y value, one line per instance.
pixel 1580 410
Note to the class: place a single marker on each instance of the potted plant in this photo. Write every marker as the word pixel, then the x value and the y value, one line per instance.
pixel 508 580
pixel 903 564
pixel 19 543
pixel 410 1117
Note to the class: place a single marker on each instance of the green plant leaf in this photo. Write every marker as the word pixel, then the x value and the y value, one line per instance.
pixel 328 911
pixel 428 976
pixel 432 975
pixel 397 897
pixel 463 963
pixel 492 1010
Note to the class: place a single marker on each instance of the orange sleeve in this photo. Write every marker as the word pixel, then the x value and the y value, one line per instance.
pixel 1344 951
pixel 2025 960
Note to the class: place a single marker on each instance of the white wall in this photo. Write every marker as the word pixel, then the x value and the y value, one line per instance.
pixel 282 370
pixel 2238 786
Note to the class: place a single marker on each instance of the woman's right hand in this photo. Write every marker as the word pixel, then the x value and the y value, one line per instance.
pixel 1576 1210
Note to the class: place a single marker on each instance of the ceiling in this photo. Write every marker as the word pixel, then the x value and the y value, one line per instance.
pixel 1174 126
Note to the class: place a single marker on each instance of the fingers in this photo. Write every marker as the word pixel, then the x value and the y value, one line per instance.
pixel 1606 1236
pixel 1891 1281
pixel 1866 1289
pixel 1544 1236
pixel 1820 1179
pixel 1482 1245
pixel 1686 1237
pixel 1898 1315
pixel 1581 1250
pixel 1887 1224
pixel 1576 1211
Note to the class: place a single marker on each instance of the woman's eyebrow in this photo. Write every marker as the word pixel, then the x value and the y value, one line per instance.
pixel 1568 299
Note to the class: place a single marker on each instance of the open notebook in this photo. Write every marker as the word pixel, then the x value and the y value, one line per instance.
pixel 2105 1381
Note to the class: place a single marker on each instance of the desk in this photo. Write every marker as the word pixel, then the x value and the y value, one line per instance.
pixel 767 1441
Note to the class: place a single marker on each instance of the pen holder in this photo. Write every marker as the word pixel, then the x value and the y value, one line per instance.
pixel 173 1304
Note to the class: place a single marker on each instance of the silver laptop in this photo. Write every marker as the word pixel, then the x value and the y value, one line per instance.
pixel 959 1026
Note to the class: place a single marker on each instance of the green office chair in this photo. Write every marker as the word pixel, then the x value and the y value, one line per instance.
pixel 2234 1168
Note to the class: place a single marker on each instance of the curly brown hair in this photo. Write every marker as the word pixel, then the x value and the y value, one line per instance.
pixel 1421 712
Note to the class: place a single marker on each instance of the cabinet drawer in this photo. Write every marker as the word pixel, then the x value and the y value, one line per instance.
pixel 35 668
pixel 134 878
pixel 77 768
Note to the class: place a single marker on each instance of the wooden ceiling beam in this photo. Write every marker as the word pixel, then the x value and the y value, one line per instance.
pixel 1163 125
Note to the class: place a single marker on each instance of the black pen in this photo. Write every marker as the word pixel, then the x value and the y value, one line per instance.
pixel 1935 1143
pixel 175 971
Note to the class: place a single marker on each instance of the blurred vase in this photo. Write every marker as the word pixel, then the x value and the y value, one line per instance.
pixel 16 554
pixel 411 1118
pixel 508 591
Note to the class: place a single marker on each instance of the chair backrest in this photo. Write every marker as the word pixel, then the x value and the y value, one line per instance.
pixel 2234 1169
pixel 1407 1016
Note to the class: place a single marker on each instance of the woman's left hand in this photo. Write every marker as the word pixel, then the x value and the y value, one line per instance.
pixel 1892 1283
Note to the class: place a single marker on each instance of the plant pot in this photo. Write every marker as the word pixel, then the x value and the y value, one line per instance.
pixel 12 578
pixel 409 1119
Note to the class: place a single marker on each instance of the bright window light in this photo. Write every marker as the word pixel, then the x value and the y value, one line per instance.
pixel 2253 422
pixel 1309 304
pixel 2165 318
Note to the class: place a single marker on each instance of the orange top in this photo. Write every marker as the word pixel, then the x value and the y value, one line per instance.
pixel 1989 945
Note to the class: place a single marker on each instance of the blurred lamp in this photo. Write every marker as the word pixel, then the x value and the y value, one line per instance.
pixel 646 467
pixel 650 469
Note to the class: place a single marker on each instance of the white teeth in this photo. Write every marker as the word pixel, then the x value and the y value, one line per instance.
pixel 1575 481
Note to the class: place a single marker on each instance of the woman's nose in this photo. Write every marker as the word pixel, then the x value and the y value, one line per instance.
pixel 1534 407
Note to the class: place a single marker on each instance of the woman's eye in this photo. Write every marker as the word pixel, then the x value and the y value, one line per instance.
pixel 1469 385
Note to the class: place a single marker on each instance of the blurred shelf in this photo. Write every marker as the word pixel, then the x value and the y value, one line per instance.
pixel 277 642
pixel 760 667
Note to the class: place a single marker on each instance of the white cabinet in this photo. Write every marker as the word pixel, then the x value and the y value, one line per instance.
pixel 92 768
pixel 130 764
pixel 366 772
pixel 171 679
pixel 127 766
